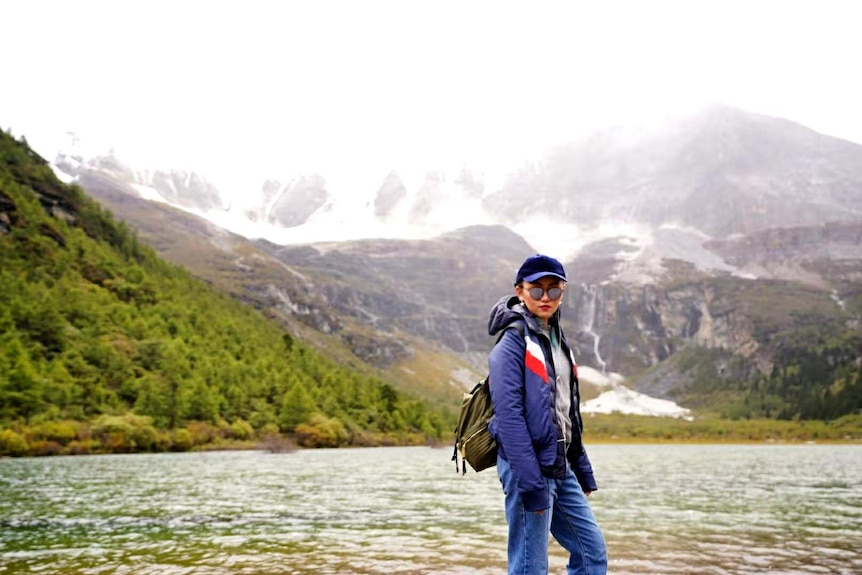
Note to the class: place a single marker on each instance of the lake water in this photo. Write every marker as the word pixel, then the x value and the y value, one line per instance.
pixel 664 509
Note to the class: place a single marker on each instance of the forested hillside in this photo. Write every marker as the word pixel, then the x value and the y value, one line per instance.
pixel 104 347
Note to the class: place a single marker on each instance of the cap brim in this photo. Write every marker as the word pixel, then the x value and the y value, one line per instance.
pixel 533 277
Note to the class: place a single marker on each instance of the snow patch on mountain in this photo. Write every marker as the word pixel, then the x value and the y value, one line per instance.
pixel 626 401
pixel 148 193
pixel 346 217
pixel 620 399
pixel 598 378
pixel 837 299
pixel 62 176
pixel 565 240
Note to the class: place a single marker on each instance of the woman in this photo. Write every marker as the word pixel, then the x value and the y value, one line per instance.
pixel 542 464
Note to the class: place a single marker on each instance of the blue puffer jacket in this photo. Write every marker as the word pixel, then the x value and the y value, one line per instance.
pixel 522 382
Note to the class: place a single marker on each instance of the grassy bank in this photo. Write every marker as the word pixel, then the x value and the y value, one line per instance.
pixel 131 433
pixel 635 428
pixel 135 434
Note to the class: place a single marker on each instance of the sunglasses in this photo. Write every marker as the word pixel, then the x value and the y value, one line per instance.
pixel 536 293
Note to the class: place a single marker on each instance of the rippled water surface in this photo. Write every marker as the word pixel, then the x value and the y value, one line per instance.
pixel 665 509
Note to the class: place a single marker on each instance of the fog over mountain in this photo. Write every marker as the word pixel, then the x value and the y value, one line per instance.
pixel 724 231
pixel 658 192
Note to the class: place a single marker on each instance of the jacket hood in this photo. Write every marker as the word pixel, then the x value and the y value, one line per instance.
pixel 507 311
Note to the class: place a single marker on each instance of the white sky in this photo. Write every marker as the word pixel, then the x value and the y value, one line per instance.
pixel 248 89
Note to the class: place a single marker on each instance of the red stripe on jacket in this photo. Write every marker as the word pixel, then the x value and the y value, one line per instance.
pixel 534 360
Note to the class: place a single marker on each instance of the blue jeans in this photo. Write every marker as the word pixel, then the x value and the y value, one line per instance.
pixel 570 520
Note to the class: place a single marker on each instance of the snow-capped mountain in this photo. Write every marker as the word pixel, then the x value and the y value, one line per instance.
pixel 645 196
pixel 703 244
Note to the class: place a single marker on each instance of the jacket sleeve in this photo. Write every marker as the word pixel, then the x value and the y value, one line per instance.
pixel 506 367
pixel 584 471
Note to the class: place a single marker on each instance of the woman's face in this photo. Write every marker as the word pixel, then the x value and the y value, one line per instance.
pixel 544 306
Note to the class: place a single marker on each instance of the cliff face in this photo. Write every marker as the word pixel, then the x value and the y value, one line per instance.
pixel 822 255
pixel 746 325
pixel 638 327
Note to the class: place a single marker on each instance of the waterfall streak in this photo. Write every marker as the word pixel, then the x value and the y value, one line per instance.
pixel 589 327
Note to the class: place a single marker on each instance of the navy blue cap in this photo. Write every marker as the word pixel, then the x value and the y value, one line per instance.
pixel 539 266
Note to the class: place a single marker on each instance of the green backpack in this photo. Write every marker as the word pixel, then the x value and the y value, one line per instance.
pixel 472 438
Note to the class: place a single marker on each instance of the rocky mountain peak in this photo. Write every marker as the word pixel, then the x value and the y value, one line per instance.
pixel 697 254
pixel 720 172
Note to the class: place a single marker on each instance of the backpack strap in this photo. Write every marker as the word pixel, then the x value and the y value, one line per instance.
pixel 518 325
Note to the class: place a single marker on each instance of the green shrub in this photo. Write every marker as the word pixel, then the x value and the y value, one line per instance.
pixel 269 429
pixel 83 447
pixel 241 429
pixel 322 431
pixel 62 432
pixel 126 433
pixel 202 432
pixel 42 447
pixel 181 440
pixel 12 444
